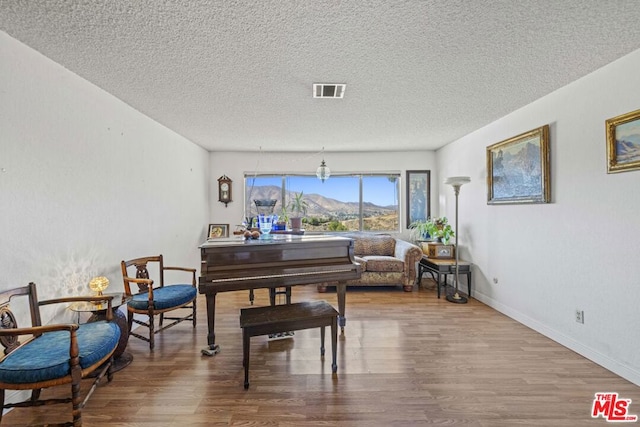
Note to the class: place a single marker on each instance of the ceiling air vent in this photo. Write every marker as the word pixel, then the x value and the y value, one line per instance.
pixel 328 90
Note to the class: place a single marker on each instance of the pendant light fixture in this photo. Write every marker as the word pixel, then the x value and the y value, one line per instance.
pixel 323 172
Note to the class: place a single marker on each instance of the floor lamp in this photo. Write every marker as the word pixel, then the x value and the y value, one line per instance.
pixel 456 182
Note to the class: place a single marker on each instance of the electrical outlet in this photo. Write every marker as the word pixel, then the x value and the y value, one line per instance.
pixel 579 316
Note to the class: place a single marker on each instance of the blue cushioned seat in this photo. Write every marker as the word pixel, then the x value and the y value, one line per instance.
pixel 47 357
pixel 41 356
pixel 174 302
pixel 165 297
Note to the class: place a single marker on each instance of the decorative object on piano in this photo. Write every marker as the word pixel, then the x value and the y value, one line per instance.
pixel 266 223
pixel 224 190
pixel 456 182
pixel 99 284
pixel 623 142
pixel 252 234
pixel 323 172
pixel 217 231
pixel 298 206
pixel 266 218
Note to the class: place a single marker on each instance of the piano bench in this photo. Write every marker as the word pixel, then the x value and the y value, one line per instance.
pixel 257 321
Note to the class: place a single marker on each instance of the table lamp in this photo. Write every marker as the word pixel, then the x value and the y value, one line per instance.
pixel 456 182
pixel 99 284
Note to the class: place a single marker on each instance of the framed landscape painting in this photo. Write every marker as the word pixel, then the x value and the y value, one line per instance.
pixel 418 196
pixel 623 142
pixel 518 169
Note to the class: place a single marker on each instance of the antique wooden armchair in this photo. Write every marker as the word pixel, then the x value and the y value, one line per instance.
pixel 54 354
pixel 151 301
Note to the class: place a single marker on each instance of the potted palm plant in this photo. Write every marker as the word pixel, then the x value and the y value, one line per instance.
pixel 298 208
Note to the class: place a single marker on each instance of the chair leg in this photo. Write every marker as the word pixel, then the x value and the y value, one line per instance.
pixel 161 320
pixel 194 313
pixel 129 321
pixel 1 401
pixel 151 333
pixel 76 399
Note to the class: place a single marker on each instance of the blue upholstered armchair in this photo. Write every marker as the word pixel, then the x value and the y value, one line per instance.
pixel 150 300
pixel 55 354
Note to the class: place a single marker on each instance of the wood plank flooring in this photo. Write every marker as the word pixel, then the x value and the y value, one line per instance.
pixel 405 359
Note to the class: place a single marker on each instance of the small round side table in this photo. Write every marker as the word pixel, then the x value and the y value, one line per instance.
pixel 121 358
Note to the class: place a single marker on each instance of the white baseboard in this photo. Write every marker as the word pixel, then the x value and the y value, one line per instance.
pixel 595 356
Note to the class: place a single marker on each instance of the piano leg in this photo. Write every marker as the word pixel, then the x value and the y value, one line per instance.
pixel 212 348
pixel 341 289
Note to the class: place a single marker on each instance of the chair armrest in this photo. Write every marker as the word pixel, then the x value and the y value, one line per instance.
pixel 148 282
pixel 39 330
pixel 410 254
pixel 189 270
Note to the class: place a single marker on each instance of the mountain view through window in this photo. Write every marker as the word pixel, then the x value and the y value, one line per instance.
pixel 353 202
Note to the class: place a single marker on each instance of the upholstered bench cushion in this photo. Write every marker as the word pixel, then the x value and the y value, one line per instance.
pixel 384 263
pixel 164 297
pixel 47 357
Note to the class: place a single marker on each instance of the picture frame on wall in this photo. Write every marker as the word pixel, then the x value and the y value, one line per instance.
pixel 623 142
pixel 217 231
pixel 418 196
pixel 518 169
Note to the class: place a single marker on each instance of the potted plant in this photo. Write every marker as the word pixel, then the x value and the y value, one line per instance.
pixel 283 219
pixel 434 228
pixel 298 207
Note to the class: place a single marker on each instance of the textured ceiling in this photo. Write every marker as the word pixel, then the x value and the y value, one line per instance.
pixel 237 75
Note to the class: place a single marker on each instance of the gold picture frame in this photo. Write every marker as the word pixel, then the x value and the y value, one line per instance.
pixel 217 231
pixel 623 142
pixel 518 169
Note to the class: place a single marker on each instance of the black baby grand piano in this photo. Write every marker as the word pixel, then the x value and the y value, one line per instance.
pixel 279 261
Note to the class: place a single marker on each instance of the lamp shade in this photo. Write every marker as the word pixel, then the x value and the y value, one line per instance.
pixel 457 180
pixel 99 284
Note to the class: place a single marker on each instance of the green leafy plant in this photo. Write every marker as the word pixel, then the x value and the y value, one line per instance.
pixel 435 228
pixel 298 205
pixel 284 215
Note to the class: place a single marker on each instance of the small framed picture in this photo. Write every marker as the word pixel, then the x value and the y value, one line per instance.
pixel 518 169
pixel 623 142
pixel 218 230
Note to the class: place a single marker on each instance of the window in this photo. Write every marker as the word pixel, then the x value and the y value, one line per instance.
pixel 344 202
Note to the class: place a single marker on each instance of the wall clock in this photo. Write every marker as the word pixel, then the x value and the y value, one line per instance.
pixel 224 190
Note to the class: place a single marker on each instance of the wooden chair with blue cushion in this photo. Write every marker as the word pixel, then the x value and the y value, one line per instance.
pixel 54 354
pixel 151 301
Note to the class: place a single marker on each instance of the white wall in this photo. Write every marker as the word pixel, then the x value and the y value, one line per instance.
pixel 86 181
pixel 235 164
pixel 580 251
